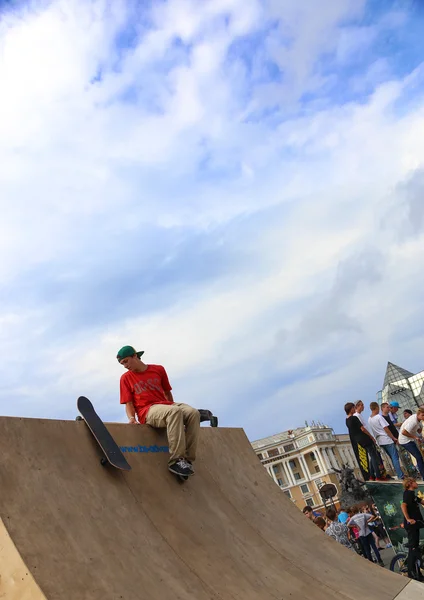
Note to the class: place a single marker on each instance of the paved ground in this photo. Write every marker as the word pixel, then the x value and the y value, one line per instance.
pixel 387 556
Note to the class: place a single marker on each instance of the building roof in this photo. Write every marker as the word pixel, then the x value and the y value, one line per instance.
pixel 284 436
pixel 395 374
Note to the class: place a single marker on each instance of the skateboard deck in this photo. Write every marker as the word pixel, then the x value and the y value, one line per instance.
pixel 110 449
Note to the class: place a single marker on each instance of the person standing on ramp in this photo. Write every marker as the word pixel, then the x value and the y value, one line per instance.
pixel 146 392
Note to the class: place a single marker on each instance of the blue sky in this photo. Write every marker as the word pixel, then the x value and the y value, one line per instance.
pixel 233 186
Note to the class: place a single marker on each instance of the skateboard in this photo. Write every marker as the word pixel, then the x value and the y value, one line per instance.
pixel 206 415
pixel 110 449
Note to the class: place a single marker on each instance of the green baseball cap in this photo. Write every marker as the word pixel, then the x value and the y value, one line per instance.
pixel 127 351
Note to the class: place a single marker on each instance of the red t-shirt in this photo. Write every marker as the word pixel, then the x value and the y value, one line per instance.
pixel 145 389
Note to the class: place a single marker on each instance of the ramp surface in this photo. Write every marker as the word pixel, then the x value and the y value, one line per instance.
pixel 74 530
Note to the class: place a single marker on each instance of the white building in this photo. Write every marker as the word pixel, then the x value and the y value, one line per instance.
pixel 302 460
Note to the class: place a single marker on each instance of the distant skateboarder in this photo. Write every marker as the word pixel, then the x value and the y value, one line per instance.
pixel 146 392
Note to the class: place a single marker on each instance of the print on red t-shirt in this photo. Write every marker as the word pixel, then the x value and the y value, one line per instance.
pixel 145 389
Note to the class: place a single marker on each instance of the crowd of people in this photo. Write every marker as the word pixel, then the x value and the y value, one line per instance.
pixel 361 528
pixel 383 431
pixel 358 528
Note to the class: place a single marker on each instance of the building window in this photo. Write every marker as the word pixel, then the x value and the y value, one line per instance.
pixel 287 493
pixel 280 482
pixel 309 502
pixel 273 452
pixel 260 456
pixel 304 489
pixel 292 464
pixel 318 483
pixel 297 476
pixel 317 469
pixel 289 448
pixel 312 455
pixel 276 469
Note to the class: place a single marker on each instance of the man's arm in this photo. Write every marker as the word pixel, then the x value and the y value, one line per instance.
pixel 365 430
pixel 169 396
pixel 404 508
pixel 391 436
pixel 409 435
pixel 166 386
pixel 130 410
pixel 373 518
pixel 127 399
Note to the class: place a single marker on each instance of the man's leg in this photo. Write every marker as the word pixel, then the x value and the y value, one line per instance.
pixel 374 547
pixel 392 453
pixel 412 449
pixel 374 461
pixel 373 474
pixel 366 546
pixel 171 417
pixel 191 418
pixel 413 551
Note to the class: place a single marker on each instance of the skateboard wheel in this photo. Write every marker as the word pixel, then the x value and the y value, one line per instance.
pixel 214 421
pixel 103 461
pixel 79 418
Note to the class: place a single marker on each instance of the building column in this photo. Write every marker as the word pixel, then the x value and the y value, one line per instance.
pixel 326 460
pixel 333 458
pixel 271 472
pixel 352 458
pixel 342 455
pixel 304 466
pixel 287 471
pixel 320 460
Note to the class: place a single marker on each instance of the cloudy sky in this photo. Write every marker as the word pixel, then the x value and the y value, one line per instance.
pixel 234 186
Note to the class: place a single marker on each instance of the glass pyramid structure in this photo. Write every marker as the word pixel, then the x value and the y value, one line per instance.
pixel 403 386
pixel 395 374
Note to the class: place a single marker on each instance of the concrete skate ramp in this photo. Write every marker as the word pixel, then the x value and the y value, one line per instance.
pixel 74 530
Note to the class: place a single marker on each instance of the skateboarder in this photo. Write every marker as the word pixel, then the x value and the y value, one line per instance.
pixel 146 392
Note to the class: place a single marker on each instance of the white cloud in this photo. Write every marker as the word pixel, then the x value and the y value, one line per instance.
pixel 102 144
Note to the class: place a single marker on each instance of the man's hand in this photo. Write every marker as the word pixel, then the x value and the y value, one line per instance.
pixel 411 521
pixel 132 421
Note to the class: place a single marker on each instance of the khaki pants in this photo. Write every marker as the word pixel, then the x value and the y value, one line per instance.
pixel 182 441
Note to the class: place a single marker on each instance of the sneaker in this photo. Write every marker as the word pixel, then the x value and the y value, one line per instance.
pixel 381 563
pixel 190 465
pixel 181 467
